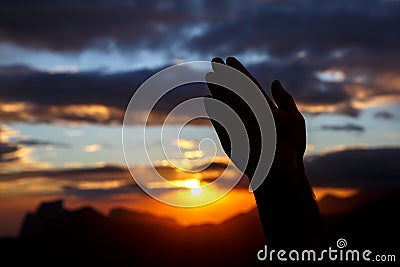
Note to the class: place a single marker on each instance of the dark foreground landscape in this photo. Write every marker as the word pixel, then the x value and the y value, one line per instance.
pixel 54 236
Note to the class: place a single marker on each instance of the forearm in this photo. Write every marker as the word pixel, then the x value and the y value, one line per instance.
pixel 288 210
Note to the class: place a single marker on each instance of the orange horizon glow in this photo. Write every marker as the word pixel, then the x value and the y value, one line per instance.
pixel 321 192
pixel 236 202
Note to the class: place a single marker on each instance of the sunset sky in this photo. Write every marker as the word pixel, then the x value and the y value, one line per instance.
pixel 69 68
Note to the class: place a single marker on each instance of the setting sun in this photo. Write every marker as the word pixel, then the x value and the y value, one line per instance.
pixel 196 191
pixel 194 186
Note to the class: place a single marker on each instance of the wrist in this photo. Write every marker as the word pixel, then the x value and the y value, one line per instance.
pixel 287 182
pixel 284 166
pixel 285 201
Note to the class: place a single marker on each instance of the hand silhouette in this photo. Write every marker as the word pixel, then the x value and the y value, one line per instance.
pixel 285 201
pixel 289 123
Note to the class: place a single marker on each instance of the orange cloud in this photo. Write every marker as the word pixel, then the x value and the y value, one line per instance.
pixel 92 148
pixel 82 113
pixel 6 132
pixel 310 147
pixel 321 192
pixel 185 144
pixel 192 154
pixel 15 157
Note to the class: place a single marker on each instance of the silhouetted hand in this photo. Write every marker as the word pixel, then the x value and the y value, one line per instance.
pixel 290 126
pixel 285 201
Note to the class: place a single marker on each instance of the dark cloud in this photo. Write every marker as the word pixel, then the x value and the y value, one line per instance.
pixel 384 115
pixel 109 172
pixel 7 152
pixel 284 27
pixel 92 181
pixel 42 88
pixel 93 193
pixel 114 172
pixel 279 27
pixel 299 39
pixel 300 80
pixel 74 25
pixel 356 168
pixel 125 189
pixel 359 168
pixel 302 38
pixel 36 142
pixel 346 127
pixel 347 108
pixel 45 97
pixel 13 151
pixel 93 97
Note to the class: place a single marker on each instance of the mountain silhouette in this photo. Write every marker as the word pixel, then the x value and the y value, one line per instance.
pixel 54 236
pixel 330 204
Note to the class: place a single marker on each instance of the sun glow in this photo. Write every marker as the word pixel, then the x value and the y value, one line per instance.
pixel 321 192
pixel 194 186
pixel 196 191
pixel 191 183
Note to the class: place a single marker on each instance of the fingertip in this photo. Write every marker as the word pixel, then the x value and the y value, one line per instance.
pixel 218 60
pixel 230 60
pixel 277 88
pixel 283 98
pixel 234 62
pixel 276 83
pixel 216 64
